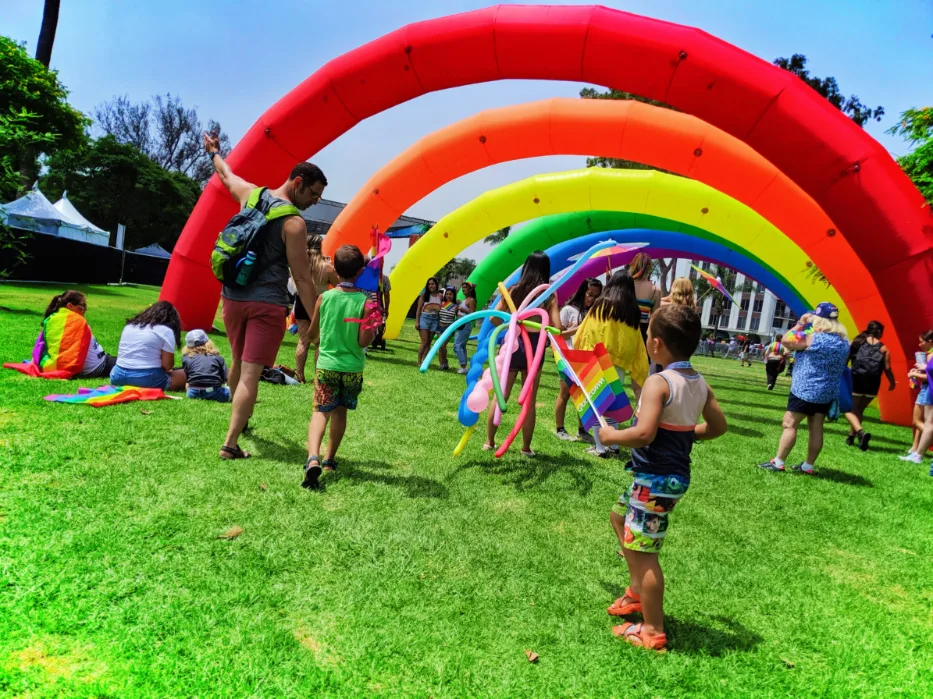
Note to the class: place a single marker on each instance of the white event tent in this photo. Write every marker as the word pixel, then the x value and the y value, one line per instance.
pixel 34 212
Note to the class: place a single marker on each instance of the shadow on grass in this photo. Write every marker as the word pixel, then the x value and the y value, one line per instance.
pixel 831 474
pixel 413 486
pixel 711 635
pixel 744 431
pixel 526 474
pixel 19 311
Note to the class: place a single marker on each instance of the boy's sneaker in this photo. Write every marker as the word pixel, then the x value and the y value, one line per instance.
pixel 462 370
pixel 800 468
pixel 595 451
pixel 585 437
pixel 771 466
pixel 565 435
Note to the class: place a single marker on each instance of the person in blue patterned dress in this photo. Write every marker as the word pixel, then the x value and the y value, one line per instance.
pixel 822 349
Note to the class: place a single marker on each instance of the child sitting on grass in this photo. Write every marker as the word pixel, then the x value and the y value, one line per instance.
pixel 338 379
pixel 205 369
pixel 661 438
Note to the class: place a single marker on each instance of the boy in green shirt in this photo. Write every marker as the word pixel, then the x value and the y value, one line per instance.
pixel 338 380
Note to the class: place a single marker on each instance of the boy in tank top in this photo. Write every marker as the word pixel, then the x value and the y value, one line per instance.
pixel 661 438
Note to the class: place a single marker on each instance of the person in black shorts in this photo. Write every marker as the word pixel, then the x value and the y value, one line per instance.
pixel 869 359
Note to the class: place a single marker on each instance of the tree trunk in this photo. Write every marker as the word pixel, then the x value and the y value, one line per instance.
pixel 47 32
pixel 667 268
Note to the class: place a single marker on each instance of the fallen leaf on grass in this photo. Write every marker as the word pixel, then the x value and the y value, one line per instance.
pixel 145 412
pixel 263 486
pixel 787 663
pixel 532 656
pixel 231 533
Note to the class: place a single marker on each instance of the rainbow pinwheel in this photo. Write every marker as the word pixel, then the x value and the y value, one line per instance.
pixel 715 283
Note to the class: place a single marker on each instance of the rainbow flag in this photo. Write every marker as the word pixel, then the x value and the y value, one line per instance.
pixel 109 395
pixel 60 349
pixel 600 380
pixel 715 283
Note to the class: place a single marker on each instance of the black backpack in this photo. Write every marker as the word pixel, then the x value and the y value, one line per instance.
pixel 869 360
pixel 242 234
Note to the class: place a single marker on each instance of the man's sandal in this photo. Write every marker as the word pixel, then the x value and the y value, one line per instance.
pixel 232 453
pixel 329 464
pixel 312 473
pixel 636 635
pixel 629 604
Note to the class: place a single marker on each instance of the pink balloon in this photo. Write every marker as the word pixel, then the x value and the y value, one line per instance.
pixel 478 399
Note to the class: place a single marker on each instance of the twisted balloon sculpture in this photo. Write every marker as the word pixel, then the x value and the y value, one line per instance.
pixel 480 382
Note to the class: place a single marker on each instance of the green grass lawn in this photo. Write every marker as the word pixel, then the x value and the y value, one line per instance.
pixel 414 573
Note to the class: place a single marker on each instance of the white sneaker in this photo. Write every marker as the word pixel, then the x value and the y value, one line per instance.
pixel 914 459
pixel 462 370
pixel 909 456
pixel 565 435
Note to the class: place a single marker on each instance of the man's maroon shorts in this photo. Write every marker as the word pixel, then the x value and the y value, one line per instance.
pixel 254 329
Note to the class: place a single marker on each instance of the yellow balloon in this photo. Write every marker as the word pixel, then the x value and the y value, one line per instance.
pixel 508 298
pixel 638 191
pixel 463 440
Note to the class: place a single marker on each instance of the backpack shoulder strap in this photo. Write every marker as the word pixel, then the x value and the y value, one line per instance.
pixel 282 210
pixel 254 197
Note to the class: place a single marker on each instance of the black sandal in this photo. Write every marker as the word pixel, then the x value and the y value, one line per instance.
pixel 235 453
pixel 312 473
pixel 329 464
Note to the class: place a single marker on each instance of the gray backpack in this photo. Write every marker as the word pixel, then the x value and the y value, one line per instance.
pixel 241 236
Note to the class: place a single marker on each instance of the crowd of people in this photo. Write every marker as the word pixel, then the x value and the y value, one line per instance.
pixel 650 339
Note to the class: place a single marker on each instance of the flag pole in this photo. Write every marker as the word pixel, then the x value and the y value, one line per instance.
pixel 576 380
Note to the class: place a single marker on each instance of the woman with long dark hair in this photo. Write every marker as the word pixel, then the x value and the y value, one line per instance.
pixel 614 321
pixel 869 359
pixel 571 315
pixel 535 272
pixel 427 317
pixel 147 350
pixel 97 363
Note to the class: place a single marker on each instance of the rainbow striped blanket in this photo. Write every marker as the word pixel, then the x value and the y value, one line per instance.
pixel 110 395
pixel 60 349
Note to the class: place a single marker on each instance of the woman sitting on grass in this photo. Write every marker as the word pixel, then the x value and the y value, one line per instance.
pixel 96 362
pixel 147 350
pixel 822 347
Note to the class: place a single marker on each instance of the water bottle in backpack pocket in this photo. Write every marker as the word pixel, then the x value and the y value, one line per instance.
pixel 234 259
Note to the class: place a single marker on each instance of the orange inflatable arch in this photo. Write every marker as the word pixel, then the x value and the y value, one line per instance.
pixel 851 176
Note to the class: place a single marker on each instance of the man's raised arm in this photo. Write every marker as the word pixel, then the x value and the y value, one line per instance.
pixel 238 187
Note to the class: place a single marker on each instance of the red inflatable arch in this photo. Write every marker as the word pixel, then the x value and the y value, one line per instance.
pixel 848 173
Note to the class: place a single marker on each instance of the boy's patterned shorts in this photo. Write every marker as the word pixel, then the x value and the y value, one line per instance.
pixel 333 389
pixel 646 506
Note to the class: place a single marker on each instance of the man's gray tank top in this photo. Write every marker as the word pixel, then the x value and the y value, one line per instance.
pixel 271 282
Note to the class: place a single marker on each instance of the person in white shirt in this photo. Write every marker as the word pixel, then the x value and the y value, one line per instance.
pixel 571 316
pixel 146 355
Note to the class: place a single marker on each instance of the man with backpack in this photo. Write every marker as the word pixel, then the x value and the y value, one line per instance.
pixel 253 257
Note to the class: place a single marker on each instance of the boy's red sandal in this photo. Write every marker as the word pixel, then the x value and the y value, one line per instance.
pixel 622 608
pixel 636 635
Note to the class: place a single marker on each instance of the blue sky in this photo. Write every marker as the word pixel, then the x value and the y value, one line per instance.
pixel 233 59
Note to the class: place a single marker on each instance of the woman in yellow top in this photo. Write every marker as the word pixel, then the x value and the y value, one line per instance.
pixel 614 321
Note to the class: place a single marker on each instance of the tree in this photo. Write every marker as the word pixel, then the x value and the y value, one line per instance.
pixel 31 94
pixel 112 182
pixel 851 106
pixel 457 270
pixel 47 32
pixel 916 127
pixel 164 129
pixel 498 236
pixel 619 163
pixel 666 267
